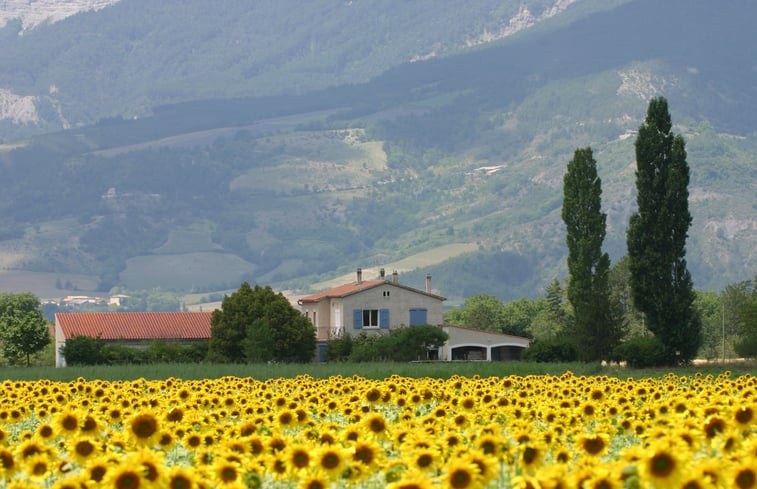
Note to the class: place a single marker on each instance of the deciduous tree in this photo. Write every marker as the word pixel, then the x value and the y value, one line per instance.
pixel 256 324
pixel 661 284
pixel 23 328
pixel 595 329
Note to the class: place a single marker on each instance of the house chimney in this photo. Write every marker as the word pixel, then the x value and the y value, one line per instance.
pixel 359 276
pixel 428 283
pixel 395 277
pixel 382 274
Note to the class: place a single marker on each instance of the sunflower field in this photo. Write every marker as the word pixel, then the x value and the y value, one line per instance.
pixel 533 431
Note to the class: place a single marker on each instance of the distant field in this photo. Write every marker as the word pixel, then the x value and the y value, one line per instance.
pixel 43 285
pixel 419 260
pixel 185 271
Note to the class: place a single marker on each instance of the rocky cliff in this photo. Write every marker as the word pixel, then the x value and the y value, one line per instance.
pixel 35 12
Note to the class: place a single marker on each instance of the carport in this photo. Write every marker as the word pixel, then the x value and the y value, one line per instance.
pixel 477 344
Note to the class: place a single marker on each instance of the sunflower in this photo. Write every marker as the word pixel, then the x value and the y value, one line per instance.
pixel 368 454
pixel 45 431
pixel 743 474
pixel 661 464
pixel 97 468
pixel 486 464
pixel 602 478
pixel 67 422
pixel 489 444
pixel 423 460
pixel 375 424
pixel 227 474
pixel 152 465
pixel 594 444
pixel 297 458
pixel 411 479
pixel 330 459
pixel 75 481
pixel 180 477
pixel 531 455
pixel 462 474
pixel 143 428
pixel 314 480
pixel 38 467
pixel 8 465
pixel 83 448
pixel 123 477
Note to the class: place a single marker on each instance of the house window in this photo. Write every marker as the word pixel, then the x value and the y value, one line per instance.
pixel 371 318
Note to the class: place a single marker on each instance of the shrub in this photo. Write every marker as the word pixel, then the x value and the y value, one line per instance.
pixel 746 347
pixel 122 355
pixel 339 349
pixel 641 351
pixel 84 350
pixel 551 350
pixel 399 345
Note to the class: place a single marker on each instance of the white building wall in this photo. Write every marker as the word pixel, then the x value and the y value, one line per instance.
pixel 60 341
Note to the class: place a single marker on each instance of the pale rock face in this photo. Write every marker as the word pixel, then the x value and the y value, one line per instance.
pixel 642 83
pixel 19 109
pixel 521 20
pixel 35 12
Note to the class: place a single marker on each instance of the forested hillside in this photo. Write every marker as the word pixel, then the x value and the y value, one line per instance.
pixel 294 177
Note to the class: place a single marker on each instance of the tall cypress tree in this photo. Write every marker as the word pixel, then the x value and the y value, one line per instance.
pixel 661 284
pixel 596 330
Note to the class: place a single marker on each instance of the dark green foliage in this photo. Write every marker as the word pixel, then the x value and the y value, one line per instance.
pixel 23 328
pixel 484 311
pixel 262 324
pixel 595 329
pixel 641 352
pixel 259 342
pixel 400 345
pixel 339 349
pixel 84 350
pixel 557 349
pixel 660 281
pixel 747 320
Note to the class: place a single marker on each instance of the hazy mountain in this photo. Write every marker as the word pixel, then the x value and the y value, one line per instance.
pixel 125 59
pixel 356 134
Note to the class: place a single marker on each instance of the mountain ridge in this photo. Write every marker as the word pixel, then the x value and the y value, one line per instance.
pixel 364 174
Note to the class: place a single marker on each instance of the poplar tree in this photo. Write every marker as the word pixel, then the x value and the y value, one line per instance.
pixel 661 284
pixel 595 330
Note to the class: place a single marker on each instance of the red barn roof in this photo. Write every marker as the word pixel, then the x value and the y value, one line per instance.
pixel 136 325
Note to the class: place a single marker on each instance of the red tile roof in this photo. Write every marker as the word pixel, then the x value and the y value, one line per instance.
pixel 344 290
pixel 136 325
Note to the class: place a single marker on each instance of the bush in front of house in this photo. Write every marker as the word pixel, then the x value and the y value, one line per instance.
pixel 400 345
pixel 558 349
pixel 84 350
pixel 339 349
pixel 641 352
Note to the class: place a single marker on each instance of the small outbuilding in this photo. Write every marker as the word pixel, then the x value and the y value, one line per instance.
pixel 131 328
pixel 478 344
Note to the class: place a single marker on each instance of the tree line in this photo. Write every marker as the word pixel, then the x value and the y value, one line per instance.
pixel 651 285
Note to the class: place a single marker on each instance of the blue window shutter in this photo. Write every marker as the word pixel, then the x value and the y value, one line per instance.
pixel 357 315
pixel 384 318
pixel 418 316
